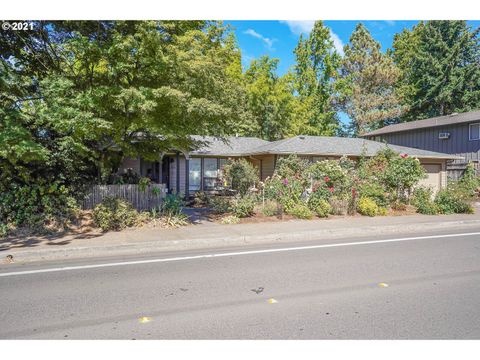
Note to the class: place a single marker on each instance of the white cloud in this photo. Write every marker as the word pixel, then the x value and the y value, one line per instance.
pixel 268 42
pixel 337 42
pixel 305 26
pixel 300 26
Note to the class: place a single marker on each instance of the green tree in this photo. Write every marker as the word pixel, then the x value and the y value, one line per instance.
pixel 270 99
pixel 367 83
pixel 316 67
pixel 440 63
pixel 78 96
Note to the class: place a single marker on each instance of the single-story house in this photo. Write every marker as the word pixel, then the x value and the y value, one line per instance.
pixel 456 134
pixel 198 170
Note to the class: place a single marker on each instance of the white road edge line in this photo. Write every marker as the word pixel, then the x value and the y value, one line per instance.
pixel 239 253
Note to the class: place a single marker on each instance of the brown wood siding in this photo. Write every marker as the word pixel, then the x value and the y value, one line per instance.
pixel 268 166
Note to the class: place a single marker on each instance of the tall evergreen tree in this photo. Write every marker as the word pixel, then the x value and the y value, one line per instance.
pixel 440 63
pixel 316 67
pixel 367 83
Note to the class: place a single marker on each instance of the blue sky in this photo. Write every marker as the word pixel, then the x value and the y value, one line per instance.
pixel 279 38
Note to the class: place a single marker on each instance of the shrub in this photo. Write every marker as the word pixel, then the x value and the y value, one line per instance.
pixel 300 211
pixel 114 214
pixel 469 183
pixel 240 175
pixel 128 177
pixel 172 204
pixel 330 169
pixel 374 167
pixel 174 220
pixel 320 206
pixel 323 209
pixel 382 211
pixel 219 204
pixel 452 201
pixel 292 167
pixel 200 198
pixel 374 191
pixel 230 219
pixel 286 191
pixel 422 200
pixel 143 183
pixel 331 178
pixel 243 206
pixel 398 205
pixel 367 207
pixel 3 230
pixel 402 173
pixel 36 205
pixel 270 208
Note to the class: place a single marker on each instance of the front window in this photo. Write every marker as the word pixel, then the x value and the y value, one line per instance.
pixel 210 173
pixel 194 171
pixel 474 132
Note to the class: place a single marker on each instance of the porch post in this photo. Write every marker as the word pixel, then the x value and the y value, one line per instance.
pixel 178 172
pixel 201 174
pixel 187 178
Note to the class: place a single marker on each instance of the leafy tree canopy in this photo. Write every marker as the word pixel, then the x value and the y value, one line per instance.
pixel 79 94
pixel 315 70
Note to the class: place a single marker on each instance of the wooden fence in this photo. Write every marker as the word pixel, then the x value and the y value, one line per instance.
pixel 455 171
pixel 141 200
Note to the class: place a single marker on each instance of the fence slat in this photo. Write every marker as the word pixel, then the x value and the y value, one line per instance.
pixel 141 200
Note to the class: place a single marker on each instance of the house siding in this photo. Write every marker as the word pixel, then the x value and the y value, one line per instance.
pixel 268 166
pixel 427 139
pixel 266 163
pixel 173 174
pixel 130 163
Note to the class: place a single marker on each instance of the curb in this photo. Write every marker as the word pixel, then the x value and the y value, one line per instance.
pixel 21 256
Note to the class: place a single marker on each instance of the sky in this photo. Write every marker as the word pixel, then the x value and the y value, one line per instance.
pixel 279 38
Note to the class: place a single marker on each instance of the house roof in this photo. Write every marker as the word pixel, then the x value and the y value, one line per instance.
pixel 230 146
pixel 306 145
pixel 428 123
pixel 329 145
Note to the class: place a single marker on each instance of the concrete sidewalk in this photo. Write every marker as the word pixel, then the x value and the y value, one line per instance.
pixel 213 235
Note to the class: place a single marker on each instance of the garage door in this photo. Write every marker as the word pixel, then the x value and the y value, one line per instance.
pixel 433 179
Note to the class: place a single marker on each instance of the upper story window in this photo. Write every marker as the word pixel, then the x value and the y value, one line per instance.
pixel 474 131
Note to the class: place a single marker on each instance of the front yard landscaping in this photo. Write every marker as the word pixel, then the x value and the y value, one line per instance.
pixel 386 184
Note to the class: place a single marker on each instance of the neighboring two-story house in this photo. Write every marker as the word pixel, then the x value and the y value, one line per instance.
pixel 456 134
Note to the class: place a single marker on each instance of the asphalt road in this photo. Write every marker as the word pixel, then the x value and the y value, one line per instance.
pixel 425 288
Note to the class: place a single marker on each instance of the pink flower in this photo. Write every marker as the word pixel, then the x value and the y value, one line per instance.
pixel 331 189
pixel 326 178
pixel 285 181
pixel 403 156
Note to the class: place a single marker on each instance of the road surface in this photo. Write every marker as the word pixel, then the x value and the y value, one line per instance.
pixel 421 287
